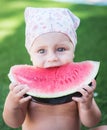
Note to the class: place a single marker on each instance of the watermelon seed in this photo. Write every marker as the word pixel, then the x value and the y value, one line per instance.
pixel 74 77
pixel 69 80
pixel 61 82
pixel 75 72
pixel 66 81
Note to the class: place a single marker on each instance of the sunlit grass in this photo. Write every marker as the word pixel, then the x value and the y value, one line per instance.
pixel 12 14
pixel 8 27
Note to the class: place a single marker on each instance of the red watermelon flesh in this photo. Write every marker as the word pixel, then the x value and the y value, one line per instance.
pixel 56 81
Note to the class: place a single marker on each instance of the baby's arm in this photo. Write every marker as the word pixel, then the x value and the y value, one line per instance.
pixel 15 106
pixel 90 116
pixel 88 110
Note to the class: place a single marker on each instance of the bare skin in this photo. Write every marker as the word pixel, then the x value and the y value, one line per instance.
pixel 33 115
pixel 52 117
pixel 21 111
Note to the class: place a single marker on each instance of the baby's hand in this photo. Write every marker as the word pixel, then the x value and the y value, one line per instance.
pixel 87 95
pixel 17 93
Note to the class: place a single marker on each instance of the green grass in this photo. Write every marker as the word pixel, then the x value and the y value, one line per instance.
pixel 92 43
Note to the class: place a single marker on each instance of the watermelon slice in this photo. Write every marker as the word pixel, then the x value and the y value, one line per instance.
pixel 57 83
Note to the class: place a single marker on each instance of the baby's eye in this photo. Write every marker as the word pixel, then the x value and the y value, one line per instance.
pixel 61 49
pixel 41 51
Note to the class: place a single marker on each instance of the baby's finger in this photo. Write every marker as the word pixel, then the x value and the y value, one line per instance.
pixel 22 92
pixel 84 92
pixel 93 84
pixel 25 99
pixel 90 90
pixel 12 86
pixel 19 88
pixel 78 99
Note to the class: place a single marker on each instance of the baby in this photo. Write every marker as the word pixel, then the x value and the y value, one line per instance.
pixel 50 42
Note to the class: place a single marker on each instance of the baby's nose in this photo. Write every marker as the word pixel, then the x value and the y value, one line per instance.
pixel 52 57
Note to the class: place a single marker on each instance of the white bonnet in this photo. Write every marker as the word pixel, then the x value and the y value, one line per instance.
pixel 43 20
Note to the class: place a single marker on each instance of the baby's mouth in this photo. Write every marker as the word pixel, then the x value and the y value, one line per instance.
pixel 53 66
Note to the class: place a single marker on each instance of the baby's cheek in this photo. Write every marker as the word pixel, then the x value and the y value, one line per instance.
pixel 39 64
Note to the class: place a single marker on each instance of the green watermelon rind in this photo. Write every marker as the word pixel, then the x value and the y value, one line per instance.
pixel 96 65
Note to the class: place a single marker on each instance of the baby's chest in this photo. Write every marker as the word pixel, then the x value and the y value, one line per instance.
pixel 68 109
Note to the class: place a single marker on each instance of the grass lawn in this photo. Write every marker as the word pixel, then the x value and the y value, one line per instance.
pixel 92 43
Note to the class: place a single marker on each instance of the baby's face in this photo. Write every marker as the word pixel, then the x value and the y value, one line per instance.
pixel 51 50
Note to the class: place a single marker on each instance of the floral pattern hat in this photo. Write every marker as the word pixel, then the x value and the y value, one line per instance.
pixel 45 20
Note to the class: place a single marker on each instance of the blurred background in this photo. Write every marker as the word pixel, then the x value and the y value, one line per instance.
pixel 92 42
